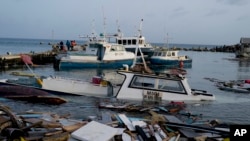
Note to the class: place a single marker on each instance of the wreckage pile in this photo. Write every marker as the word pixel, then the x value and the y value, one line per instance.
pixel 157 123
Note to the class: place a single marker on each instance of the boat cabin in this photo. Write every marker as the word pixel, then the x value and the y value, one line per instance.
pixel 152 87
pixel 130 41
pixel 166 53
pixel 169 54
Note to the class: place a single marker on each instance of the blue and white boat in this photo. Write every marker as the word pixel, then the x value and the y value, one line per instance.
pixel 97 54
pixel 131 43
pixel 170 59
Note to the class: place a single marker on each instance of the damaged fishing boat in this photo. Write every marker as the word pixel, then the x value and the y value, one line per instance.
pixel 135 86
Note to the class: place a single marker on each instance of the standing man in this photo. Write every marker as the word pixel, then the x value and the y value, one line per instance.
pixel 68 44
pixel 61 45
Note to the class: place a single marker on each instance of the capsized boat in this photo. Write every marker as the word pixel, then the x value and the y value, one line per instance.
pixel 136 86
pixel 30 95
pixel 239 86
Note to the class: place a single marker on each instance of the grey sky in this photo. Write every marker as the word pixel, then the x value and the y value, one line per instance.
pixel 216 22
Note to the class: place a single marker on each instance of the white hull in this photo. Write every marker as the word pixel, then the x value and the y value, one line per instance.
pixel 78 87
pixel 136 86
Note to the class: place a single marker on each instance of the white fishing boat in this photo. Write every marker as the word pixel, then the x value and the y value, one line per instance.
pixel 157 87
pixel 135 86
pixel 97 86
pixel 97 54
pixel 131 43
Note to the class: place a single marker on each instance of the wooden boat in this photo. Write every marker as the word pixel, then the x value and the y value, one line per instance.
pixel 29 95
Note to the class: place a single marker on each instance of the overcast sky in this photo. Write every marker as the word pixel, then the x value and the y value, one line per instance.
pixel 215 22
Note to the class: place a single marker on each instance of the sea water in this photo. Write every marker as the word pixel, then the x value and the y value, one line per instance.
pixel 228 106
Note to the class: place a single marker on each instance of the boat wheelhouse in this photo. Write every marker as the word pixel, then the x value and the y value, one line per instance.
pixel 170 59
pixel 153 87
pixel 140 86
pixel 131 43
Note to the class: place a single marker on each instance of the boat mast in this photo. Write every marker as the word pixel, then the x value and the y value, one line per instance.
pixel 119 33
pixel 104 24
pixel 138 48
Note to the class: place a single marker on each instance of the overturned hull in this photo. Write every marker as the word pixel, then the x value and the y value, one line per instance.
pixel 29 94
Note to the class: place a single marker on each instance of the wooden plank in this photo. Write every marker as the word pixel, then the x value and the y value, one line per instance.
pixel 172 118
pixel 95 131
pixel 126 121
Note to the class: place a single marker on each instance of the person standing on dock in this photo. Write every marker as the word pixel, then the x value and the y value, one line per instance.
pixel 61 45
pixel 68 44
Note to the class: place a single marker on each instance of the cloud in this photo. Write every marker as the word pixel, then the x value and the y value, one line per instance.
pixel 178 12
pixel 216 12
pixel 235 2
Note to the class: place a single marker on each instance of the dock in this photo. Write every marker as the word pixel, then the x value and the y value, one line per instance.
pixel 9 61
pixel 12 61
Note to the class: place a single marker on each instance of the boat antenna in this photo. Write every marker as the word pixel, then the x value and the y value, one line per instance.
pixel 104 23
pixel 140 29
pixel 93 35
pixel 118 29
pixel 52 34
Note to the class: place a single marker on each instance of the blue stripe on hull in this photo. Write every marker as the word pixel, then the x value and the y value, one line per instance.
pixel 108 64
pixel 170 63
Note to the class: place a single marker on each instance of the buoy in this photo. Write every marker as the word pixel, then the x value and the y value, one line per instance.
pixel 181 64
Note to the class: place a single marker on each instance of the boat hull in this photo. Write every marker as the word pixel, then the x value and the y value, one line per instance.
pixel 147 51
pixel 63 86
pixel 64 65
pixel 29 94
pixel 159 62
pixel 237 90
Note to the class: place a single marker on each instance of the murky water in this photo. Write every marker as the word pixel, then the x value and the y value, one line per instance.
pixel 228 106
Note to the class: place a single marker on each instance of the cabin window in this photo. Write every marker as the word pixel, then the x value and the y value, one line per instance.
pixel 143 82
pixel 124 42
pixel 159 54
pixel 134 42
pixel 117 48
pixel 169 54
pixel 173 53
pixel 119 41
pixel 140 41
pixel 163 54
pixel 155 53
pixel 158 84
pixel 129 42
pixel 171 85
